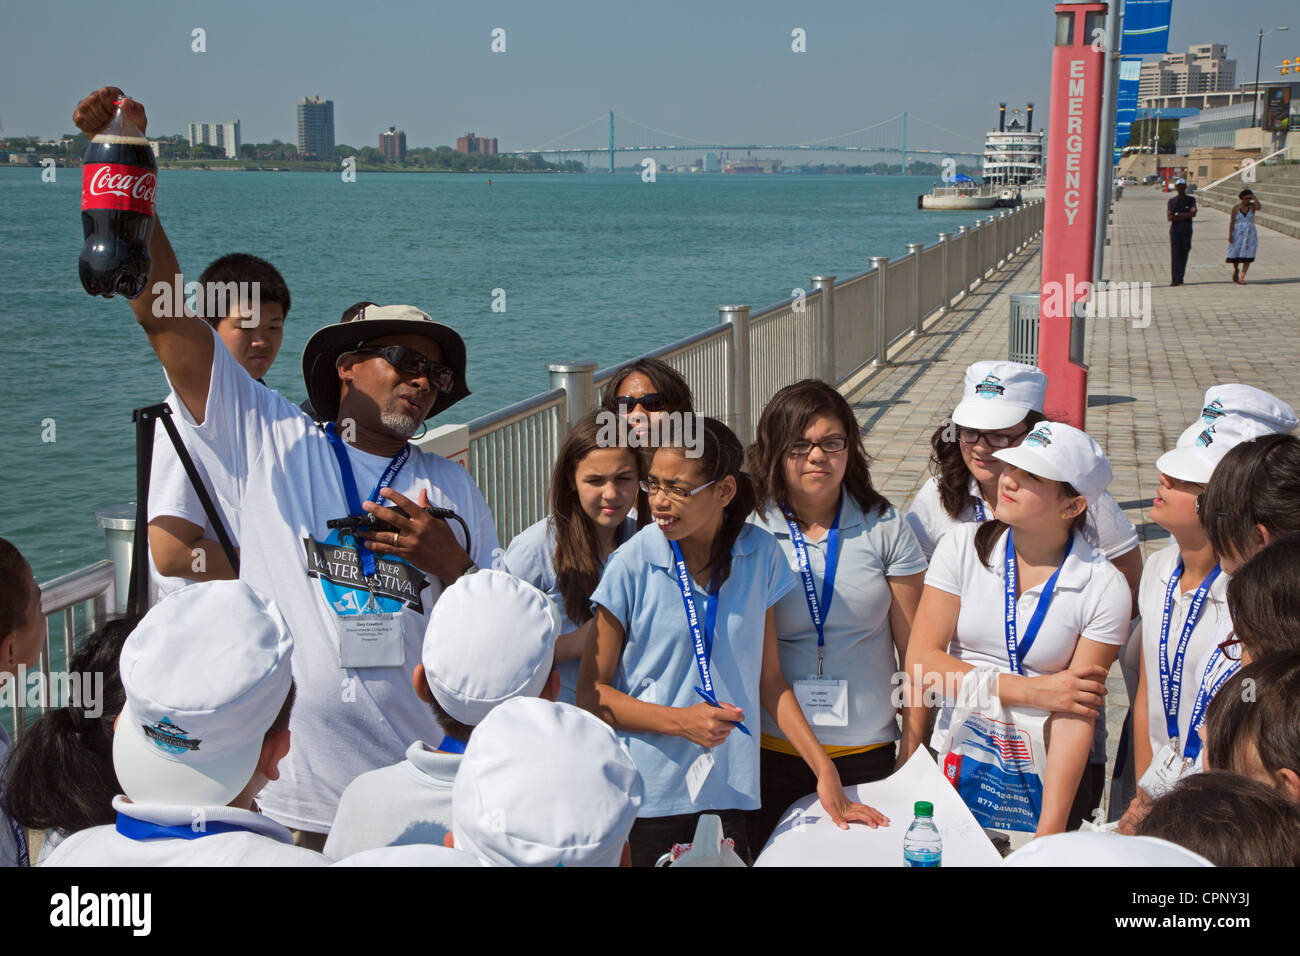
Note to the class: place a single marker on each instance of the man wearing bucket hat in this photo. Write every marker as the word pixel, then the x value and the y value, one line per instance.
pixel 358 600
pixel 1029 595
pixel 1183 593
pixel 491 638
pixel 1180 212
pixel 208 683
pixel 545 784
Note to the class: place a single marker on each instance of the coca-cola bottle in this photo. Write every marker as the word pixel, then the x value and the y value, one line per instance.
pixel 117 193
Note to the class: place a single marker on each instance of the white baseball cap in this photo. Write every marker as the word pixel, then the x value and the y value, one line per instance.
pixel 490 637
pixel 205 673
pixel 1248 402
pixel 545 784
pixel 1088 848
pixel 999 395
pixel 1201 447
pixel 1180 182
pixel 1062 452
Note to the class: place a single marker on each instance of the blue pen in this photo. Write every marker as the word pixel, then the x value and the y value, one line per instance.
pixel 709 700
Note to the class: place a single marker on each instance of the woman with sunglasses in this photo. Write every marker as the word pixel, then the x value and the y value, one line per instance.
pixel 1028 595
pixel 861 573
pixel 592 490
pixel 642 391
pixel 685 651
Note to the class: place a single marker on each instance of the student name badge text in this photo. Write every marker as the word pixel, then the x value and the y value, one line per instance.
pixel 823 700
pixel 370 640
pixel 697 773
pixel 1165 771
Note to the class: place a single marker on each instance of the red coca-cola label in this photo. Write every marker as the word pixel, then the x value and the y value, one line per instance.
pixel 115 186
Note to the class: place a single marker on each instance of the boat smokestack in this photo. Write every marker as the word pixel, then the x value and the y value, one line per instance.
pixel 1002 117
pixel 1030 111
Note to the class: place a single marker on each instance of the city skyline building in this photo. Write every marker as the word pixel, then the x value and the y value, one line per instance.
pixel 392 143
pixel 316 127
pixel 1204 68
pixel 223 136
pixel 473 143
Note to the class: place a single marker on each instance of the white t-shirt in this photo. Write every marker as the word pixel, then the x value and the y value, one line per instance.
pixel 271 463
pixel 859 645
pixel 1091 600
pixel 1151 601
pixel 172 495
pixel 409 802
pixel 413 854
pixel 259 841
pixel 1107 525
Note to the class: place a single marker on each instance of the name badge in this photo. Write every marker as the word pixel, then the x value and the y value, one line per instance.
pixel 370 640
pixel 823 700
pixel 697 773
pixel 1165 771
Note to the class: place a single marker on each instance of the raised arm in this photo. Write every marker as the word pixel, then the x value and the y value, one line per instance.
pixel 183 343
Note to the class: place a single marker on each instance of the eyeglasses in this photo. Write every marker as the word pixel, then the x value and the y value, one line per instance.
pixel 969 436
pixel 652 487
pixel 802 447
pixel 1231 648
pixel 412 362
pixel 650 402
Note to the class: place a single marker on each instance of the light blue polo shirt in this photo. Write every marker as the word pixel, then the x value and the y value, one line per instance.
pixel 640 588
pixel 531 557
pixel 859 643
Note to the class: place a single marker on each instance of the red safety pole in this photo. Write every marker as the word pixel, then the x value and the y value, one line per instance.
pixel 1070 212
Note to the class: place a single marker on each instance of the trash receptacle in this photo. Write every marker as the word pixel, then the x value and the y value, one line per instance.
pixel 118 522
pixel 1023 340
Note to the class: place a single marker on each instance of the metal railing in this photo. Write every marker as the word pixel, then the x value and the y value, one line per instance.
pixel 733 369
pixel 92 591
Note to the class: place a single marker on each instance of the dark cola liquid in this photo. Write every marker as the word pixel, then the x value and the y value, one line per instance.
pixel 117 194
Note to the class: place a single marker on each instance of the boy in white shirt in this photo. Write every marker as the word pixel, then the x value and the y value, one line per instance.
pixel 209 687
pixel 491 637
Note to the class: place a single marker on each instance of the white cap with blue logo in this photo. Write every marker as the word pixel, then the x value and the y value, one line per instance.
pixel 1062 452
pixel 999 394
pixel 1230 414
pixel 205 673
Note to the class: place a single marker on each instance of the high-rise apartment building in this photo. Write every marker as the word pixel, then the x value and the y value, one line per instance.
pixel 470 143
pixel 316 128
pixel 224 136
pixel 393 145
pixel 1204 68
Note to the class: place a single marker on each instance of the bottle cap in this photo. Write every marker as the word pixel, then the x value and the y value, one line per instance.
pixel 924 808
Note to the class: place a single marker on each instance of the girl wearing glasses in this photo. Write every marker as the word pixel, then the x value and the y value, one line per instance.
pixel 1028 595
pixel 837 641
pixel 685 652
pixel 592 490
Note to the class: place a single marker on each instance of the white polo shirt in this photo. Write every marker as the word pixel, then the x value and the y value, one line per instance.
pixel 859 644
pixel 1151 600
pixel 1091 600
pixel 259 841
pixel 411 855
pixel 409 802
pixel 1106 524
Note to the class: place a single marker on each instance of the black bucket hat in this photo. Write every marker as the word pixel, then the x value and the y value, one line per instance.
pixel 321 354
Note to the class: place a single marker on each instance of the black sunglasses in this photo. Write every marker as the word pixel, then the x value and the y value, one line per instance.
pixel 650 402
pixel 414 363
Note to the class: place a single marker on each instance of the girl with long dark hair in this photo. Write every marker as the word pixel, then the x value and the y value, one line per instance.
pixel 685 651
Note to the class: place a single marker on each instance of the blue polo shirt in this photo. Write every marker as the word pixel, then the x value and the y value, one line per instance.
pixel 859 644
pixel 531 557
pixel 640 589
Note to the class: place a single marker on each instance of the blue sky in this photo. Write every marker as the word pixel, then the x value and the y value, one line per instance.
pixel 720 71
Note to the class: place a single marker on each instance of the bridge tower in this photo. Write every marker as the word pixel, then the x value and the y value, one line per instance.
pixel 611 141
pixel 905 142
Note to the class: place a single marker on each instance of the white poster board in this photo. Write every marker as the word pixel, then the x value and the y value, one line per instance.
pixel 807 837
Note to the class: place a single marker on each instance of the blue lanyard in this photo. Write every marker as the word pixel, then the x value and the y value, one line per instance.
pixel 450 745
pixel 134 829
pixel 817 609
pixel 1016 653
pixel 980 514
pixel 701 638
pixel 366 556
pixel 1203 697
pixel 1171 683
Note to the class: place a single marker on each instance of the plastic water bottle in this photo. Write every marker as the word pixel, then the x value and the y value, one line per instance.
pixel 921 843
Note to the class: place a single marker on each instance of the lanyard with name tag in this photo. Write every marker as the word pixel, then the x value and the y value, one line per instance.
pixel 823 700
pixel 372 638
pixel 1017 652
pixel 1171 678
pixel 980 514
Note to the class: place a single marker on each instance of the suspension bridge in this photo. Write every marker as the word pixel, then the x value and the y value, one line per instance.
pixel 886 137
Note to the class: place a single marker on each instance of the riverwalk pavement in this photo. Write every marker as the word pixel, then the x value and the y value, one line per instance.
pixel 1146 379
